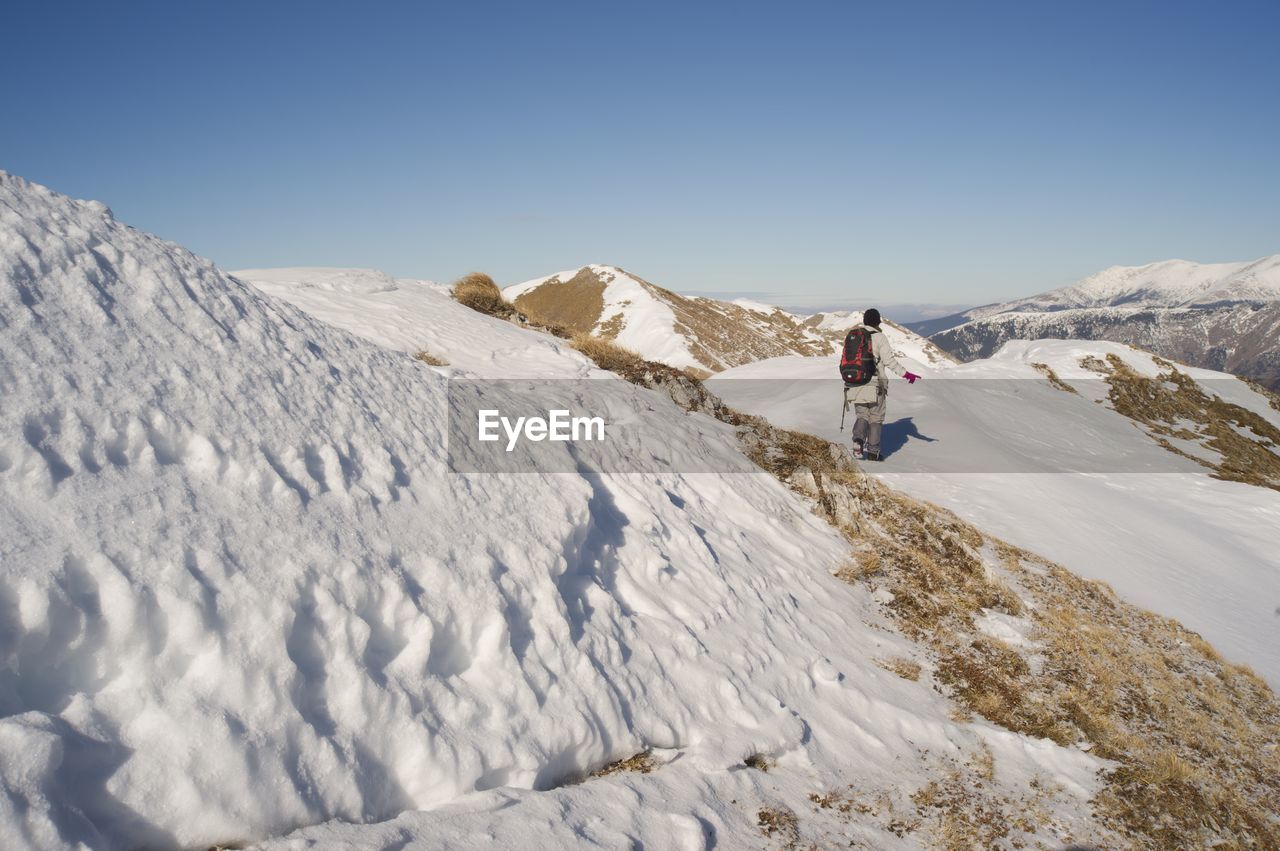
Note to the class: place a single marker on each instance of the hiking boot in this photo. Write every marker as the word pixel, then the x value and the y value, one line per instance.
pixel 873 456
pixel 857 449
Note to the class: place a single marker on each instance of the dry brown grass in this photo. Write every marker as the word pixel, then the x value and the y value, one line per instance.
pixel 779 824
pixel 1194 736
pixel 959 808
pixel 902 666
pixel 430 359
pixel 758 761
pixel 683 387
pixel 478 292
pixel 1054 380
pixel 608 355
pixel 1164 410
pixel 641 763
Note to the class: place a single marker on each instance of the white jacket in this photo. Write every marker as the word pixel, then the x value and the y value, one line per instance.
pixel 868 393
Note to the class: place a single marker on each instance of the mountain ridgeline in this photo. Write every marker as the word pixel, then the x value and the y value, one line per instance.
pixel 1223 316
pixel 700 334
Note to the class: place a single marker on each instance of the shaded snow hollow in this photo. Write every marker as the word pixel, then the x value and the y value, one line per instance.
pixel 240 593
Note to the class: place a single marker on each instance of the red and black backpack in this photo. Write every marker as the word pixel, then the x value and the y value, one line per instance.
pixel 857 363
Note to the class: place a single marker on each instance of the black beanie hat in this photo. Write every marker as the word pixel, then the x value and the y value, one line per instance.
pixel 872 318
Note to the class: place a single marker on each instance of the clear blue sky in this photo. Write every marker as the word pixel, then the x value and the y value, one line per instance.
pixel 908 152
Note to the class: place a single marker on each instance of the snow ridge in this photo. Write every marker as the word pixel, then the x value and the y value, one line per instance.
pixel 240 592
pixel 1167 284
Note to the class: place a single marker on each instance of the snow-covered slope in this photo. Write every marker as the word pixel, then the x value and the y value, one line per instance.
pixel 241 593
pixel 416 316
pixel 1064 475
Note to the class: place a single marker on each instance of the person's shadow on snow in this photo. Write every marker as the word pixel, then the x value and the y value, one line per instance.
pixel 896 434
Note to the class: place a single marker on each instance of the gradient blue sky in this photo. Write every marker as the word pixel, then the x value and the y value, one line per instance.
pixel 906 152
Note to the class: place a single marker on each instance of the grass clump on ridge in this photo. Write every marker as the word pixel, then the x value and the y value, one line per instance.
pixel 478 292
pixel 640 763
pixel 608 355
pixel 1054 381
pixel 430 359
pixel 624 363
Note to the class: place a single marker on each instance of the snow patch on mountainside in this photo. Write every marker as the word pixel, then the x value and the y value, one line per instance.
pixel 413 316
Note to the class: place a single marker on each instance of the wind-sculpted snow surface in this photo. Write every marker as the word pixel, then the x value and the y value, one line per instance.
pixel 240 593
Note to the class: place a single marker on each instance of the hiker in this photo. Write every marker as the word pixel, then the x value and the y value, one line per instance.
pixel 867 354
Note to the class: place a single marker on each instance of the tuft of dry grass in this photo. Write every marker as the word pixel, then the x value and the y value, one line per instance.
pixel 430 359
pixel 1094 364
pixel 780 824
pixel 641 763
pixel 478 292
pixel 607 354
pixel 903 667
pixel 1053 378
pixel 758 761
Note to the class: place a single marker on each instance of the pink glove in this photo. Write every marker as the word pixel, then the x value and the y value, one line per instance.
pixel 911 377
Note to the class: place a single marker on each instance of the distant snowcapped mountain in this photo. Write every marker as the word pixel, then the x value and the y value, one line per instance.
pixel 1171 283
pixel 695 332
pixel 1222 316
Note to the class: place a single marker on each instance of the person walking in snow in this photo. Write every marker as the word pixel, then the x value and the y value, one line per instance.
pixel 867 355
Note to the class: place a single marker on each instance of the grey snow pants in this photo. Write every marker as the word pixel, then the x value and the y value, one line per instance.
pixel 869 420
